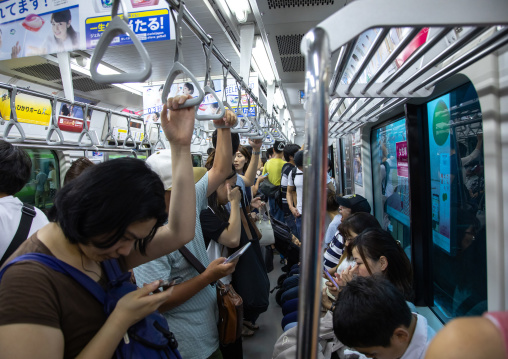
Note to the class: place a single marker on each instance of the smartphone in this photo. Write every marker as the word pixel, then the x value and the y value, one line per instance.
pixel 168 283
pixel 266 174
pixel 331 278
pixel 237 254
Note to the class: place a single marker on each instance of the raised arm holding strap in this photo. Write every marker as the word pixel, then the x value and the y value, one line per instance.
pixel 178 68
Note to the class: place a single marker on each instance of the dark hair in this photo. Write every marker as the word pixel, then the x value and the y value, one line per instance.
pixel 299 158
pixel 248 148
pixel 368 311
pixel 95 205
pixel 373 243
pixel 235 141
pixel 210 150
pixel 77 167
pixel 278 146
pixel 357 223
pixel 65 16
pixel 331 203
pixel 51 165
pixel 189 86
pixel 213 202
pixel 247 156
pixel 290 150
pixel 269 152
pixel 15 168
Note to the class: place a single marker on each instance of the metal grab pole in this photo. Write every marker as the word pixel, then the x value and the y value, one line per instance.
pixel 316 47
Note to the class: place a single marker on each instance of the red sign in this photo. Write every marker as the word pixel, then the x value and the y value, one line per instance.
pixel 418 41
pixel 71 124
pixel 402 162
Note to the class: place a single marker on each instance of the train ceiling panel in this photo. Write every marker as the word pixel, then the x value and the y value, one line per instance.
pixel 278 4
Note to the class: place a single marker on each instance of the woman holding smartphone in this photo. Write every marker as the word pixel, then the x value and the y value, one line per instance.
pixel 112 211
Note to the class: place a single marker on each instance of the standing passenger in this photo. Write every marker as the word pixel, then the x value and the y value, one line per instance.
pixel 40 195
pixel 15 167
pixel 274 169
pixel 192 309
pixel 112 211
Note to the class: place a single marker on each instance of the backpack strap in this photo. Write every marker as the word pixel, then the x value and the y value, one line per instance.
pixel 27 215
pixel 59 266
pixel 293 173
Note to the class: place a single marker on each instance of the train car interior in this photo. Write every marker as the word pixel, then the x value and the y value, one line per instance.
pixel 403 102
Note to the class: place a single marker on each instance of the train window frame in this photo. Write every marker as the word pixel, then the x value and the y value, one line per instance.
pixel 418 133
pixel 386 221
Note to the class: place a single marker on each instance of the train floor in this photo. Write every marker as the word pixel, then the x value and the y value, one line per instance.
pixel 260 345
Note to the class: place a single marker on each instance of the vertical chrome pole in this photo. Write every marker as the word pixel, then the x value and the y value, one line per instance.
pixel 316 47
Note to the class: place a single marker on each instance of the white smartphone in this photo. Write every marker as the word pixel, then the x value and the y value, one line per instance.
pixel 237 254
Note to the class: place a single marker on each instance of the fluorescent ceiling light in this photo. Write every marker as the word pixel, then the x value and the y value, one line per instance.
pixel 240 8
pixel 279 100
pixel 261 58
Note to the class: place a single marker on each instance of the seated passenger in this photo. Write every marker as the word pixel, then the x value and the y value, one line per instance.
pixel 371 316
pixel 111 211
pixel 15 167
pixel 348 205
pixel 471 338
pixel 375 252
pixel 192 309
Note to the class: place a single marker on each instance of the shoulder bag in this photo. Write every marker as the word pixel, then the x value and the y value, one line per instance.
pixel 265 228
pixel 229 302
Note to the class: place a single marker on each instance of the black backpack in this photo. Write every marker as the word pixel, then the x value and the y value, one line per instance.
pixel 283 242
pixel 279 195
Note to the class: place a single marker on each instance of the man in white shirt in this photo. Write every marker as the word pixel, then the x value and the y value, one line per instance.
pixel 373 317
pixel 15 169
pixel 52 181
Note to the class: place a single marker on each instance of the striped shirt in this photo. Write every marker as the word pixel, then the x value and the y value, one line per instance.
pixel 194 322
pixel 334 251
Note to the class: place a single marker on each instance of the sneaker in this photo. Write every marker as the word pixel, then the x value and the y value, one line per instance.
pixel 250 325
pixel 246 332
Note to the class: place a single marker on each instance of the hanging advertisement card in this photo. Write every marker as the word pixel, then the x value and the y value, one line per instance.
pixel 29 109
pixel 41 27
pixel 402 161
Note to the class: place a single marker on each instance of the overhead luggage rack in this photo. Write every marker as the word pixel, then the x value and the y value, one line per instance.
pixel 396 50
pixel 435 39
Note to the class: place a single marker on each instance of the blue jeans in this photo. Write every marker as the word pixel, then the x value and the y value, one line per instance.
pixel 290 306
pixel 289 219
pixel 298 221
pixel 275 211
pixel 289 294
pixel 289 318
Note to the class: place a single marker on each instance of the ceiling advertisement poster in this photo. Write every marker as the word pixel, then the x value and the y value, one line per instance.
pixel 41 27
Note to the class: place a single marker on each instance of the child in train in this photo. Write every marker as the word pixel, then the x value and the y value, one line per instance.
pixel 86 230
pixel 371 316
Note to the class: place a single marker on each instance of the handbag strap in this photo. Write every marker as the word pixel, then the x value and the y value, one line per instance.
pixel 245 224
pixel 191 258
pixel 27 215
pixel 59 266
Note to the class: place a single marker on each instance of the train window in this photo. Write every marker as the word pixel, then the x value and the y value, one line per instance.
pixel 391 181
pixel 346 149
pixel 44 179
pixel 458 203
pixel 196 160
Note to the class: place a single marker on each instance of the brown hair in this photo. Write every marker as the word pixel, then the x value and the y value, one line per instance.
pixel 77 167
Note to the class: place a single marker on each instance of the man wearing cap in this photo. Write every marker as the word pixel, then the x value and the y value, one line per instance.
pixel 352 203
pixel 191 311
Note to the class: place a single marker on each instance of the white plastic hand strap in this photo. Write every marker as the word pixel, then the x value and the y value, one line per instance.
pixel 53 127
pixel 13 121
pixel 115 28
